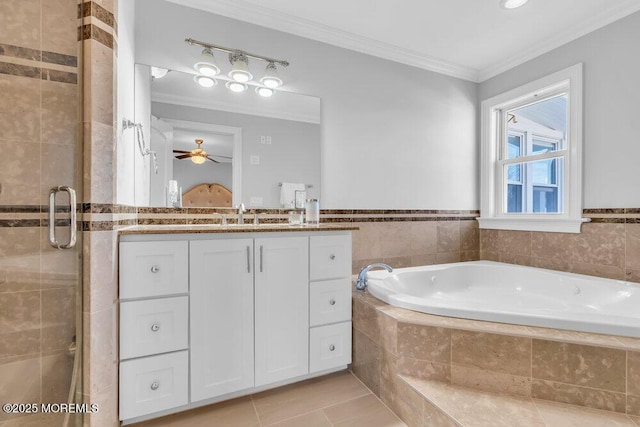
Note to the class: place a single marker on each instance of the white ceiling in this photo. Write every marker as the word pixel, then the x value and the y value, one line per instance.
pixel 470 39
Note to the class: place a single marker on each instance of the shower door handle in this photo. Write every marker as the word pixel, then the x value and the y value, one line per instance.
pixel 72 217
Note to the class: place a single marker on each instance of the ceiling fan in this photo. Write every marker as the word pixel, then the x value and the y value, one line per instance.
pixel 197 155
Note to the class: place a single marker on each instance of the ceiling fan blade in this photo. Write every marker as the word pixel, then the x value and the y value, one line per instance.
pixel 184 156
pixel 214 161
pixel 181 151
pixel 222 157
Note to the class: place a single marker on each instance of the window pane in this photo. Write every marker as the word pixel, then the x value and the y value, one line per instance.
pixel 539 190
pixel 545 172
pixel 514 198
pixel 543 146
pixel 545 199
pixel 514 146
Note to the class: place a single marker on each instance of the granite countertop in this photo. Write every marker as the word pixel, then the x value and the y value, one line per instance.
pixel 231 228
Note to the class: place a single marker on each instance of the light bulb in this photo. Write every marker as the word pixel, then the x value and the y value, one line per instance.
pixel 270 78
pixel 512 4
pixel 207 64
pixel 205 81
pixel 240 63
pixel 236 87
pixel 264 91
pixel 198 160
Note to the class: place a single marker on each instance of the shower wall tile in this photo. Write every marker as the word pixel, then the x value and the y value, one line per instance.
pixel 58 319
pixel 107 401
pixel 20 23
pixel 52 174
pixel 99 163
pixel 98 86
pixel 633 405
pixel 21 345
pixel 20 172
pixel 21 122
pixel 59 113
pixel 59 26
pixel 57 372
pixel 19 385
pixel 20 311
pixel 491 352
pixel 632 256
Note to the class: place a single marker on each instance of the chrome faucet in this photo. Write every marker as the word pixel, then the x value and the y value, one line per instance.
pixel 241 211
pixel 361 282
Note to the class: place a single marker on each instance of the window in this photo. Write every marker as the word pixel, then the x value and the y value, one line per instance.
pixel 532 156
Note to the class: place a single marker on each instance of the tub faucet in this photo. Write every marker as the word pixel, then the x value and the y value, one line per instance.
pixel 241 211
pixel 361 283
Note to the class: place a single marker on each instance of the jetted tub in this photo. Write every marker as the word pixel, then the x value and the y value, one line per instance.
pixel 507 293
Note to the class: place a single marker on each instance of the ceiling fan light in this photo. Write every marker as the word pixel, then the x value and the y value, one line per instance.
pixel 205 81
pixel 512 4
pixel 240 71
pixel 270 78
pixel 198 160
pixel 236 87
pixel 264 91
pixel 207 64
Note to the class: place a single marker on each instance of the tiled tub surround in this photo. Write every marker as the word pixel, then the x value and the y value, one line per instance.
pixel 608 246
pixel 454 355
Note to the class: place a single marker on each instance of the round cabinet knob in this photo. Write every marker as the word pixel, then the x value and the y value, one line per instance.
pixel 155 327
pixel 155 269
pixel 332 302
pixel 332 257
pixel 332 347
pixel 155 385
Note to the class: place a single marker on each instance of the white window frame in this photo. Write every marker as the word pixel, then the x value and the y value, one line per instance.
pixel 492 179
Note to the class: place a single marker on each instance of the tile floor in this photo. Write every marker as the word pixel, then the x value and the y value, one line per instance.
pixel 338 399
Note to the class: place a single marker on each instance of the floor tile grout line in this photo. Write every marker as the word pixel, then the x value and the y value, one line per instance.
pixel 376 396
pixel 255 409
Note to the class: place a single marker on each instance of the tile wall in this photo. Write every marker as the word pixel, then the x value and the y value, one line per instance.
pixel 608 246
pixel 588 370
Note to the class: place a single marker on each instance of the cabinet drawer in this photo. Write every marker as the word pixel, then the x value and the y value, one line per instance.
pixel 329 346
pixel 153 326
pixel 329 301
pixel 153 384
pixel 330 257
pixel 150 269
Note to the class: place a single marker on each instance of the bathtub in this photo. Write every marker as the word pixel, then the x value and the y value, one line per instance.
pixel 507 293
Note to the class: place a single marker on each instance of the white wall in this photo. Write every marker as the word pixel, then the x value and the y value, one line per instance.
pixel 125 154
pixel 611 107
pixel 393 136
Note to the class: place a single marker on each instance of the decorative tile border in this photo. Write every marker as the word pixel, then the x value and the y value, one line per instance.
pixel 38 55
pixel 92 8
pixel 93 32
pixel 125 215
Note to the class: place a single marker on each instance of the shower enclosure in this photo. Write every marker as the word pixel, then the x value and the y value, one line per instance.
pixel 40 150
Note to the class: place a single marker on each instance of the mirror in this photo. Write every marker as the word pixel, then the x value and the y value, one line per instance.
pixel 253 144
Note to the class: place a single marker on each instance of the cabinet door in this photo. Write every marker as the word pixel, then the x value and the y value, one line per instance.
pixel 221 316
pixel 282 308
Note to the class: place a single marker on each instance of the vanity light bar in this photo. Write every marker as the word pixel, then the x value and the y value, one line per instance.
pixel 205 45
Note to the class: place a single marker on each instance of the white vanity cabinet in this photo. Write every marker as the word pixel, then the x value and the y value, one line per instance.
pixel 208 317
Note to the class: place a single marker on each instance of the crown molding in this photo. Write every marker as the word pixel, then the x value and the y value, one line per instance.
pixel 265 17
pixel 211 104
pixel 618 11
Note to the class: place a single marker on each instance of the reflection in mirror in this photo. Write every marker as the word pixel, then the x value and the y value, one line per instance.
pixel 250 144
